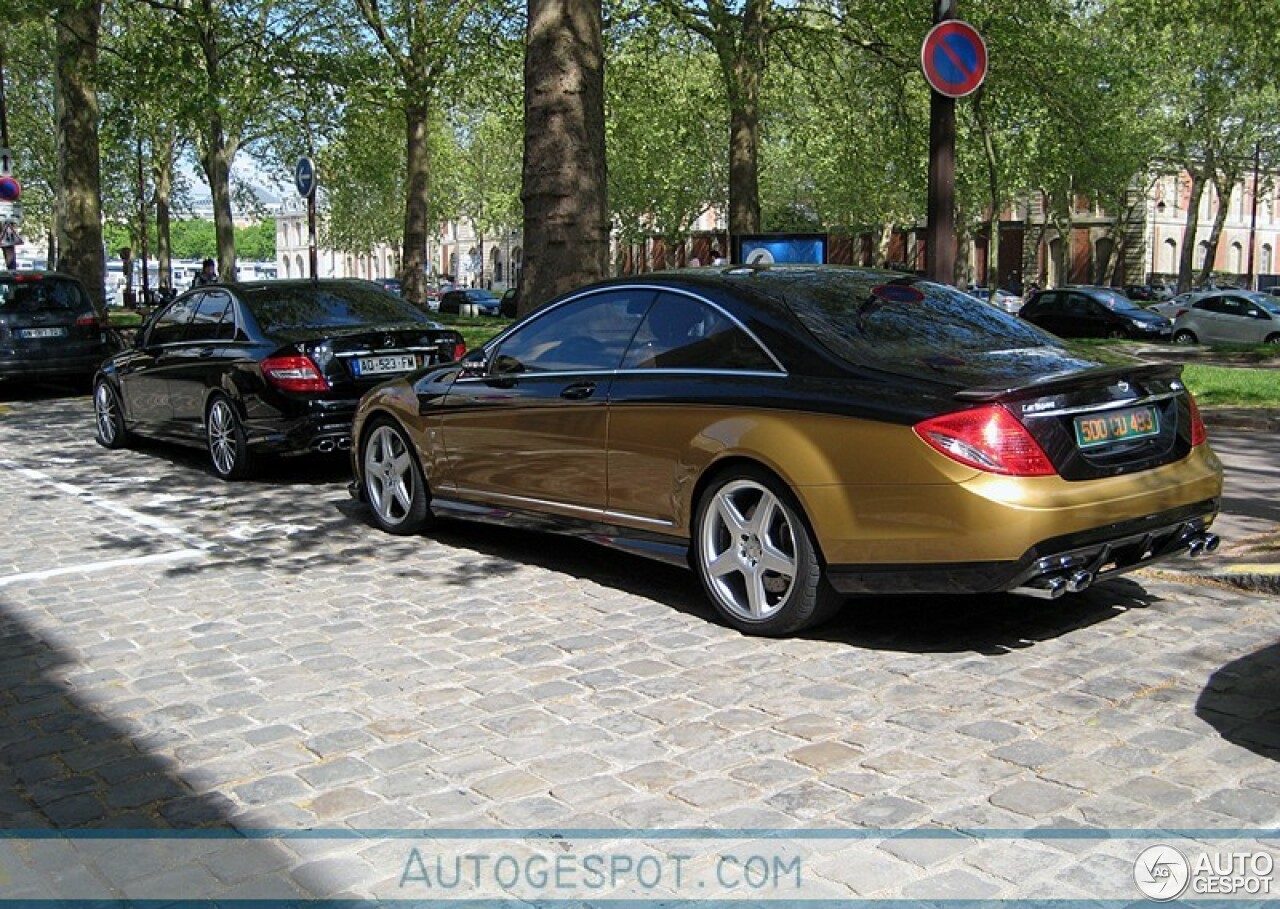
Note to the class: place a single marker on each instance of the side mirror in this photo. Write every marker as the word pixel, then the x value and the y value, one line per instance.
pixel 473 365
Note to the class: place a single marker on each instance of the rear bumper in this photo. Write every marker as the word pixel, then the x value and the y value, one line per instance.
pixel 1101 552
pixel 315 425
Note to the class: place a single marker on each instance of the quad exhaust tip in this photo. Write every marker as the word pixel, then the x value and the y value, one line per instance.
pixel 1202 545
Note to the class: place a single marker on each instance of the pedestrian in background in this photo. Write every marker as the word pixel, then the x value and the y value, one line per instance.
pixel 206 275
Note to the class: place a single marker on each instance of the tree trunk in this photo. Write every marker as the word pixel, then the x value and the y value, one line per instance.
pixel 79 205
pixel 993 196
pixel 1185 259
pixel 743 59
pixel 413 260
pixel 216 161
pixel 566 215
pixel 164 193
pixel 1219 219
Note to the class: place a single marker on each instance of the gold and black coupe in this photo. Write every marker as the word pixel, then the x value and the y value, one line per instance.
pixel 800 434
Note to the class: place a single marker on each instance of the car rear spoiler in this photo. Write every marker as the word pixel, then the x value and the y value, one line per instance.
pixel 1102 375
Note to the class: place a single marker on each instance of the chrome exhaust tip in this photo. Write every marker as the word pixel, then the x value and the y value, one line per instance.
pixel 324 445
pixel 1211 542
pixel 344 444
pixel 1079 581
pixel 1046 587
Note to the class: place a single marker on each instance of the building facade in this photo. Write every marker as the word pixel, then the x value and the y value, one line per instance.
pixel 457 253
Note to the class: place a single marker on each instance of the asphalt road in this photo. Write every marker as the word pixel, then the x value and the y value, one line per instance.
pixel 341 713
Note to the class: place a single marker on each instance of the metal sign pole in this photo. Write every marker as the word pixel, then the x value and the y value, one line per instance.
pixel 941 231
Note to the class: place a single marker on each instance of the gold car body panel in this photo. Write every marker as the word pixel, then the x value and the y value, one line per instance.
pixel 873 492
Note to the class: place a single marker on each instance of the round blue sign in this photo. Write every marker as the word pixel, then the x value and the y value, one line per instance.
pixel 954 58
pixel 304 177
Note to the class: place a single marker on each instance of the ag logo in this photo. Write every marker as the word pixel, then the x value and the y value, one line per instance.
pixel 1161 873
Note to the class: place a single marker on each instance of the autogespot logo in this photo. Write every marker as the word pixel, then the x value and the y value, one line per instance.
pixel 1161 873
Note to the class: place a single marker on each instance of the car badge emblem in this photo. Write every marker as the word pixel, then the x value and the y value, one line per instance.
pixel 388 341
pixel 1122 385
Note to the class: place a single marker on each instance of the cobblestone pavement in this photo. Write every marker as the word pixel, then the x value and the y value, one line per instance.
pixel 177 652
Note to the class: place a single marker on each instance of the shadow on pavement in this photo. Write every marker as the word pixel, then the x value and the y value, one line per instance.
pixel 66 766
pixel 1242 702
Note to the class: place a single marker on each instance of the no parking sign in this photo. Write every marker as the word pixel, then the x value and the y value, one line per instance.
pixel 954 58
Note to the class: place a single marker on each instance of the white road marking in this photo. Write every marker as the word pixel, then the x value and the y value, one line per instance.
pixel 172 556
pixel 194 547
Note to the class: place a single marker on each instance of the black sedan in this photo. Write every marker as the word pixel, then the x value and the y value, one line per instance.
pixel 49 328
pixel 1094 312
pixel 484 302
pixel 271 366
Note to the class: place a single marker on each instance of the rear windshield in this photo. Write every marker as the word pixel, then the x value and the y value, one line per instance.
pixel 300 306
pixel 42 295
pixel 873 318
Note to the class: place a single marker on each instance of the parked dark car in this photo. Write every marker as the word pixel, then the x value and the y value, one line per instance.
pixel 391 285
pixel 1093 312
pixel 49 328
pixel 485 302
pixel 270 366
pixel 798 434
pixel 1147 293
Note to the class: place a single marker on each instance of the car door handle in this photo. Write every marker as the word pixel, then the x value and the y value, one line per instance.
pixel 579 391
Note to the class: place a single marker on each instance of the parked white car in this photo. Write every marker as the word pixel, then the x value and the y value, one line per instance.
pixel 1229 317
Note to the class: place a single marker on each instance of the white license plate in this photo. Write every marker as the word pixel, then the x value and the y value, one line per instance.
pixel 375 366
pixel 42 333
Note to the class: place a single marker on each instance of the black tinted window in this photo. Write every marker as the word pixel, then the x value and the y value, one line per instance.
pixel 683 333
pixel 1045 303
pixel 42 295
pixel 305 306
pixel 867 318
pixel 589 333
pixel 214 319
pixel 171 324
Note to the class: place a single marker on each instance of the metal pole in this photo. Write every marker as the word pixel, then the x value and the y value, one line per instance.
pixel 312 252
pixel 941 231
pixel 142 223
pixel 1253 214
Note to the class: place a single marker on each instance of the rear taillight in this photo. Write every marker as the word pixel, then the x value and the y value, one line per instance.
pixel 988 438
pixel 294 374
pixel 90 320
pixel 459 351
pixel 1199 435
pixel 1178 313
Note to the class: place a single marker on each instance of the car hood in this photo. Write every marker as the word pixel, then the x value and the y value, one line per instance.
pixel 1143 315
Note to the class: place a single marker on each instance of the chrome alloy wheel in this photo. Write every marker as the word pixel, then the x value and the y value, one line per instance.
pixel 106 411
pixel 224 438
pixel 747 549
pixel 390 477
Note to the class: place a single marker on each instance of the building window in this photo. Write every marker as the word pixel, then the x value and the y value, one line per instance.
pixel 1237 258
pixel 1171 256
pixel 1202 254
pixel 1265 265
pixel 301 271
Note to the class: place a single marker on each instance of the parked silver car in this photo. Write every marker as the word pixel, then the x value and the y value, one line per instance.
pixel 1229 317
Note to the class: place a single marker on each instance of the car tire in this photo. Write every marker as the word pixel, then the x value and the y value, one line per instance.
pixel 1272 339
pixel 1183 336
pixel 108 417
pixel 1116 334
pixel 754 553
pixel 228 444
pixel 392 480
